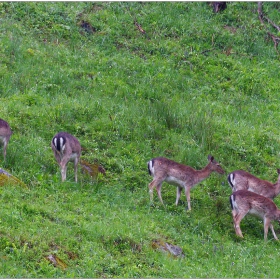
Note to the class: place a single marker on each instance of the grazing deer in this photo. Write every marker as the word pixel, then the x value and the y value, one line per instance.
pixel 242 180
pixel 244 202
pixel 66 147
pixel 182 176
pixel 218 6
pixel 5 134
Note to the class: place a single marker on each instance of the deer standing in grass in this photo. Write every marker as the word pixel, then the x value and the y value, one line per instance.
pixel 245 202
pixel 242 180
pixel 5 134
pixel 182 176
pixel 66 148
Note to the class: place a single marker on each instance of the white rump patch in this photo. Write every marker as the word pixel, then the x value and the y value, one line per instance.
pixel 233 202
pixel 151 167
pixel 55 142
pixel 231 176
pixel 62 147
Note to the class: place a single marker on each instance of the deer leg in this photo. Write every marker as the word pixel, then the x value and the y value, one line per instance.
pixel 76 161
pixel 273 232
pixel 237 217
pixel 4 150
pixel 151 189
pixel 159 193
pixel 5 143
pixel 63 167
pixel 179 190
pixel 267 223
pixel 58 158
pixel 158 184
pixel 188 196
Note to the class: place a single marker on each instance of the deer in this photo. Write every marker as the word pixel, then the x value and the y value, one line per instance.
pixel 180 175
pixel 66 147
pixel 242 180
pixel 5 134
pixel 245 202
pixel 218 6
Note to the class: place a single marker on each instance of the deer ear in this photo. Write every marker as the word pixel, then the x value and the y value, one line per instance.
pixel 210 158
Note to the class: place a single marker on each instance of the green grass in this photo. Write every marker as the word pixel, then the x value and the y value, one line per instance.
pixel 196 83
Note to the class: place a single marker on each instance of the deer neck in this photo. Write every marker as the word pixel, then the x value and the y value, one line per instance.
pixel 203 174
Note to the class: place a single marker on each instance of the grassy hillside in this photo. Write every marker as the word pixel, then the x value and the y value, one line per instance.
pixel 146 79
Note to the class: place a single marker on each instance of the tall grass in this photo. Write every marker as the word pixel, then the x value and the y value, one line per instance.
pixel 194 83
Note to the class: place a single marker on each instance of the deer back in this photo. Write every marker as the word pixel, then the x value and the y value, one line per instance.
pixel 242 180
pixel 65 143
pixel 246 201
pixel 166 168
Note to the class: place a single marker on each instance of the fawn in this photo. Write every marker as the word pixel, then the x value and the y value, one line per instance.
pixel 242 180
pixel 245 202
pixel 66 148
pixel 182 176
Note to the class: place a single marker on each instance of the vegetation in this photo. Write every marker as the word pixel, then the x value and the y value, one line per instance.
pixel 140 80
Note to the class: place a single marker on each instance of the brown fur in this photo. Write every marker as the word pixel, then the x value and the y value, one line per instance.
pixel 244 202
pixel 242 180
pixel 218 6
pixel 5 134
pixel 71 152
pixel 182 176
